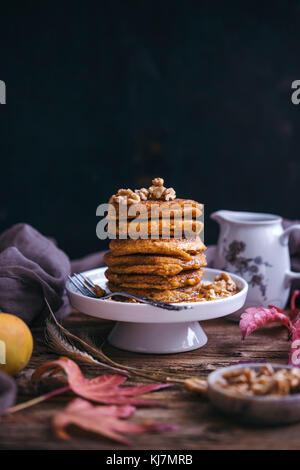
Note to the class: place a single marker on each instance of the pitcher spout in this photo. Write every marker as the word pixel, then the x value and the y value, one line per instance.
pixel 245 218
pixel 221 216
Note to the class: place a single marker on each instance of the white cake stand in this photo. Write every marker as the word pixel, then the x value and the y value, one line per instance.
pixel 146 329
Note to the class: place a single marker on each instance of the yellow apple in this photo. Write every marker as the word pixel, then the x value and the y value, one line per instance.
pixel 16 344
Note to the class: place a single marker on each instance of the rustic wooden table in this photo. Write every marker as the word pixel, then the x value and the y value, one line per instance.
pixel 200 425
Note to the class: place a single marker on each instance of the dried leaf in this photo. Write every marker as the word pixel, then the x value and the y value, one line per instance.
pixel 294 355
pixel 256 317
pixel 104 420
pixel 102 389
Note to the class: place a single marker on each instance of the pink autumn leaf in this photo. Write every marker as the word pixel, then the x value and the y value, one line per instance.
pixel 294 356
pixel 107 421
pixel 256 317
pixel 102 389
pixel 294 313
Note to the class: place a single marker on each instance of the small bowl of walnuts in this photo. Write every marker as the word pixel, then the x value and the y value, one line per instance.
pixel 257 393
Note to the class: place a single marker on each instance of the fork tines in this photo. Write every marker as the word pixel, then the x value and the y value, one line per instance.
pixel 86 287
pixel 81 286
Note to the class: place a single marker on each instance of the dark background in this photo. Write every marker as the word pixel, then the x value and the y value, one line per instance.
pixel 103 95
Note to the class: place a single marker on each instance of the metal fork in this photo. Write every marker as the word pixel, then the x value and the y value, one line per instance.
pixel 87 287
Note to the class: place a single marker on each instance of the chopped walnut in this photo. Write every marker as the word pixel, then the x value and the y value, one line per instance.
pixel 143 193
pixel 227 281
pixel 156 192
pixel 133 198
pixel 282 382
pixel 295 378
pixel 196 385
pixel 158 182
pixel 125 196
pixel 223 286
pixel 124 192
pixel 169 194
pixel 267 370
pixel 120 199
pixel 265 381
pixel 263 386
pixel 232 373
pixel 99 291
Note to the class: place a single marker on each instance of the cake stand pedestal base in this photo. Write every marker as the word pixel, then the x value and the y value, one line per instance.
pixel 157 338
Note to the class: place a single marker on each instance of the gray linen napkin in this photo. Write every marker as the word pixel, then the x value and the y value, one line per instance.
pixel 31 267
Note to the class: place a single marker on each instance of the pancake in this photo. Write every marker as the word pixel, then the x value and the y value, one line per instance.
pixel 165 270
pixel 158 227
pixel 143 281
pixel 159 265
pixel 111 260
pixel 180 247
pixel 173 209
pixel 185 294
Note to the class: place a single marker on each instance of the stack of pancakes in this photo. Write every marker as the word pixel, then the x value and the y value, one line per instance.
pixel 155 219
pixel 167 269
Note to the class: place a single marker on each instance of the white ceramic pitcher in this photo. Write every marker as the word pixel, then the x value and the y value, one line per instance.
pixel 255 246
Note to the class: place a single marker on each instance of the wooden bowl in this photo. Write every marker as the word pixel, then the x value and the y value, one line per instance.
pixel 262 410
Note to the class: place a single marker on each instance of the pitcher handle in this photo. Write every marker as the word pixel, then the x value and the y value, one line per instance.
pixel 290 276
pixel 284 237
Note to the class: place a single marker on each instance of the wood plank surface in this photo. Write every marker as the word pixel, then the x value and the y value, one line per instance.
pixel 200 425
